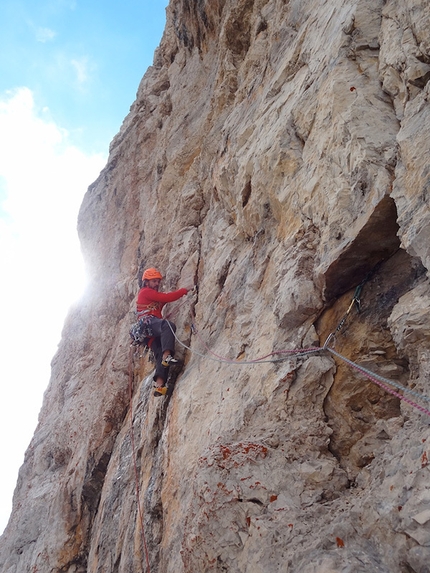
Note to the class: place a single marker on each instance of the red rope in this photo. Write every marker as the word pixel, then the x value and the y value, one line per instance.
pixel 296 351
pixel 299 351
pixel 133 447
pixel 400 396
pixel 381 384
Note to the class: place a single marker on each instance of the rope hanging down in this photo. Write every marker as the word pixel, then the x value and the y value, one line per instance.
pixel 133 449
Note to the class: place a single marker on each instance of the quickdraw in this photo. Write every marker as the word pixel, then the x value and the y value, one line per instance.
pixel 141 330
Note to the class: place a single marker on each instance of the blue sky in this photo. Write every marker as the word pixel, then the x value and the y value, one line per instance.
pixel 82 60
pixel 69 72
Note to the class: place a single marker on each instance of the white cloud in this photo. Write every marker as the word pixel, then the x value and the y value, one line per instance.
pixel 43 179
pixel 44 35
pixel 70 4
pixel 83 69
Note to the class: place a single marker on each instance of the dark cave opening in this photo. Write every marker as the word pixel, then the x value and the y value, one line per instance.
pixel 358 411
pixel 376 242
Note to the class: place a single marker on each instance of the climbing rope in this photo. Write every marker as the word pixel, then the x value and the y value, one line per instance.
pixel 382 382
pixel 369 373
pixel 376 378
pixel 133 448
pixel 261 360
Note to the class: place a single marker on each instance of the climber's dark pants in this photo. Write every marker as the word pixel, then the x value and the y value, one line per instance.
pixel 163 340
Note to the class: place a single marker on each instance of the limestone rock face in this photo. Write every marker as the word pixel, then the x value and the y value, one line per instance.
pixel 277 154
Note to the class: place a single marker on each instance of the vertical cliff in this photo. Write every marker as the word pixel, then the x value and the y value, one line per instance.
pixel 277 152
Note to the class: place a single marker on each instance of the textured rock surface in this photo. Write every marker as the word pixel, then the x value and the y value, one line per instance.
pixel 277 153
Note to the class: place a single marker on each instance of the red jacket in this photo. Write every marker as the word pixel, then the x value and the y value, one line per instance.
pixel 152 301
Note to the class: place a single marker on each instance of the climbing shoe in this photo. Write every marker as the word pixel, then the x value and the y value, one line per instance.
pixel 160 391
pixel 169 361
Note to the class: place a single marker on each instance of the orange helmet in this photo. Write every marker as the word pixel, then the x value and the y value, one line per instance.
pixel 151 274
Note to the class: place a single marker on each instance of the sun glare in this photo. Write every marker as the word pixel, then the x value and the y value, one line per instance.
pixel 43 178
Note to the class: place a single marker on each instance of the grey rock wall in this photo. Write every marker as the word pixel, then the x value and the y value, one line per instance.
pixel 277 154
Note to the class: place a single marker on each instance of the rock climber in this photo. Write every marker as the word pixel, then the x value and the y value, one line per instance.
pixel 150 303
